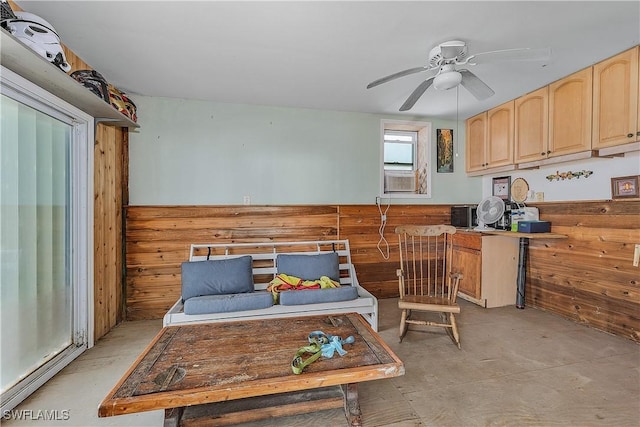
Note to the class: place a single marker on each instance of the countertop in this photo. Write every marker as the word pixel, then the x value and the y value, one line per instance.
pixel 516 234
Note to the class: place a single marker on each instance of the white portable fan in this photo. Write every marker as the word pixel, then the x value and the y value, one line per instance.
pixel 489 211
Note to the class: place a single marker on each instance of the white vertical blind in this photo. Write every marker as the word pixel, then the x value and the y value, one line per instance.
pixel 35 278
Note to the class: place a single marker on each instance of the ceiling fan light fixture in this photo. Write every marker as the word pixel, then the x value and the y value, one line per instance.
pixel 445 81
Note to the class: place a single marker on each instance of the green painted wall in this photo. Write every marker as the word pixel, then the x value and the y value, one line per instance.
pixel 190 152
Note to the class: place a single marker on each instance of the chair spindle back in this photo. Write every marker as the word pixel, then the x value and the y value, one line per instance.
pixel 425 256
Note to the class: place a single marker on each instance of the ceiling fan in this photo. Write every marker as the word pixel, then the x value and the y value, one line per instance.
pixel 447 56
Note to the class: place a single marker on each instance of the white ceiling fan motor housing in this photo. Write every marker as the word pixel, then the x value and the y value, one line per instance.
pixel 454 50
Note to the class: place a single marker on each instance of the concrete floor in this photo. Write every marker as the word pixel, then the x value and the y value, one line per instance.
pixel 515 368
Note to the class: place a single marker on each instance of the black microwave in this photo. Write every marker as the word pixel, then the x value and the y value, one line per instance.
pixel 464 216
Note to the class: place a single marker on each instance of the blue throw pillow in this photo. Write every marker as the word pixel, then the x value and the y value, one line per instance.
pixel 217 277
pixel 309 267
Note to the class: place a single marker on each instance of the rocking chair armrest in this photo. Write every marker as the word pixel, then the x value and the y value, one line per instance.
pixel 458 276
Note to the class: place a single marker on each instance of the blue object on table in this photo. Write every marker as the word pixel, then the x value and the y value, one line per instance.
pixel 534 226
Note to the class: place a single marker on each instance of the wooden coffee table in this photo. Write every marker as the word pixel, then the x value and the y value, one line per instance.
pixel 227 373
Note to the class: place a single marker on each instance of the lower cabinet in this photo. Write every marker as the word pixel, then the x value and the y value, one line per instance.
pixel 490 268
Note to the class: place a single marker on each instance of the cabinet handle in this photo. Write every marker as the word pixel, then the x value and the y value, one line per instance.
pixel 549 152
pixel 629 135
pixel 543 153
pixel 638 133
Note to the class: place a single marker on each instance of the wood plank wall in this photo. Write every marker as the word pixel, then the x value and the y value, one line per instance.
pixel 110 162
pixel 158 239
pixel 375 264
pixel 587 277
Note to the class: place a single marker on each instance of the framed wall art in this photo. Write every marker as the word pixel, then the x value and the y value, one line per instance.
pixel 501 187
pixel 444 150
pixel 625 187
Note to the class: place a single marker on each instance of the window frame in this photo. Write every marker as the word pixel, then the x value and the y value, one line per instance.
pixel 422 155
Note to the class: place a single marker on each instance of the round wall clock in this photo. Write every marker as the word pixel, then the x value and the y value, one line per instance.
pixel 519 190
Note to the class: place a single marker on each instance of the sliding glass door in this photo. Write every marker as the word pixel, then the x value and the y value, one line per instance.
pixel 43 276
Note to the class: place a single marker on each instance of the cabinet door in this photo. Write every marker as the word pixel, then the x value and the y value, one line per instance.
pixel 475 142
pixel 532 126
pixel 499 270
pixel 570 114
pixel 467 259
pixel 615 100
pixel 500 135
pixel 469 263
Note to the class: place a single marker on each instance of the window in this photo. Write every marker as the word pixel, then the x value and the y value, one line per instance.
pixel 400 150
pixel 406 159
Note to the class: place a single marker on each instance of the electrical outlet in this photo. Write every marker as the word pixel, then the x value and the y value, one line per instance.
pixel 246 200
pixel 636 255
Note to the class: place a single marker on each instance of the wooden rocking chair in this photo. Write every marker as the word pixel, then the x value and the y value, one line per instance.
pixel 427 279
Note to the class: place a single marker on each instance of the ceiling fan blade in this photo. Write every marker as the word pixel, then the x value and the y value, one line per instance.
pixel 521 54
pixel 477 87
pixel 416 94
pixel 397 75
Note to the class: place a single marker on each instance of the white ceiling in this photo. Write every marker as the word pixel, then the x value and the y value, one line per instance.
pixel 322 54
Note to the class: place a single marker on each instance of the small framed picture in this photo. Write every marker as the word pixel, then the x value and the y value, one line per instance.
pixel 624 187
pixel 444 150
pixel 502 187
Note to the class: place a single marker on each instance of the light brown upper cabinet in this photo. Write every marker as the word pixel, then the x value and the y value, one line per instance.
pixel 570 114
pixel 532 126
pixel 500 135
pixel 489 142
pixel 616 115
pixel 595 109
pixel 476 134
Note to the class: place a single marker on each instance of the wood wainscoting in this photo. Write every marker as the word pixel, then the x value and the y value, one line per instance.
pixel 588 277
pixel 158 239
pixel 375 265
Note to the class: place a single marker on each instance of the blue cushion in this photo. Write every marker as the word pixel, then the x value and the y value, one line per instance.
pixel 309 267
pixel 217 277
pixel 315 296
pixel 228 303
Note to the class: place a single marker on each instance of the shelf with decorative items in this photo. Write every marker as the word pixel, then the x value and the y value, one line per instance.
pixel 558 176
pixel 25 62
